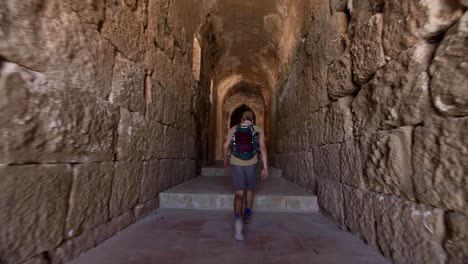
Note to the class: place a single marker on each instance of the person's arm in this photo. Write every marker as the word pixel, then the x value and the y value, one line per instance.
pixel 263 152
pixel 225 152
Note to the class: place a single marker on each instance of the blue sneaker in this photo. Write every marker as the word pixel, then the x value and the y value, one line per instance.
pixel 247 216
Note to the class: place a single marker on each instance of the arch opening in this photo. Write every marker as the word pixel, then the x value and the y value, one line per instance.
pixel 236 115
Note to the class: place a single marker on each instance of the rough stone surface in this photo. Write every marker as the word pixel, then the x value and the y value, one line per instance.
pixel 388 164
pixel 449 72
pixel 366 47
pixel 33 203
pixel 126 186
pixel 340 77
pixel 398 95
pixel 338 121
pixel 89 197
pixel 144 209
pixel 409 22
pixel 139 138
pixel 43 132
pixel 352 165
pixel 330 199
pixel 359 214
pixel 124 26
pixel 73 247
pixel 128 85
pixel 326 161
pixel 439 160
pixel 150 180
pixel 456 243
pixel 408 232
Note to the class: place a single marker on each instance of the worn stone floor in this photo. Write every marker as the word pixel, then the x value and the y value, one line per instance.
pixel 201 236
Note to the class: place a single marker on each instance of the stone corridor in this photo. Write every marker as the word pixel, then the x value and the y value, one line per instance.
pixel 113 114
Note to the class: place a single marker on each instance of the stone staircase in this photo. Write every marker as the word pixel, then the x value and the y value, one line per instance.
pixel 213 191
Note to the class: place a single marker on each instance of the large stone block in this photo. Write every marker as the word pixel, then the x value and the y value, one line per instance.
pixel 47 122
pixel 150 181
pixel 89 197
pixel 330 199
pixel 366 28
pixel 126 186
pixel 92 11
pixel 128 85
pixel 352 165
pixel 33 208
pixel 139 138
pixel 71 248
pixel 398 94
pixel 359 214
pixel 172 143
pixel 409 22
pixel 456 243
pixel 125 27
pixel 78 54
pixel 327 161
pixel 167 173
pixel 340 77
pixel 142 210
pixel 133 139
pixel 449 72
pixel 408 232
pixel 316 128
pixel 440 153
pixel 388 164
pixel 338 121
pixel 41 259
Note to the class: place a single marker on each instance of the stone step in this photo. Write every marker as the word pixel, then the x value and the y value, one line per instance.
pixel 219 170
pixel 216 193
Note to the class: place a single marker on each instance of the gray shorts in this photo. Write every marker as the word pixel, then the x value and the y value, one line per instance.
pixel 244 177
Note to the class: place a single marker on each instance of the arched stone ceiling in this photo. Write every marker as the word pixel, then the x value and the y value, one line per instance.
pixel 258 37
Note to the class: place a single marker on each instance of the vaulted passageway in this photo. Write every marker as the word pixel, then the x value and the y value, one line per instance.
pixel 106 106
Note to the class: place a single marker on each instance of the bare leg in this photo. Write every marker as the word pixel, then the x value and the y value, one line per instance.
pixel 238 199
pixel 249 199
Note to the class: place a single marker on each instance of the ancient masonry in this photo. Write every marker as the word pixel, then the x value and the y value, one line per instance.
pixel 100 112
pixel 378 99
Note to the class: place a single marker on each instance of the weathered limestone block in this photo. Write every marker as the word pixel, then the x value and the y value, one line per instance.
pixel 408 232
pixel 170 108
pixel 340 77
pixel 365 31
pixel 47 122
pixel 398 94
pixel 327 161
pixel 338 121
pixel 351 165
pixel 33 202
pixel 142 210
pixel 89 197
pixel 133 139
pixel 155 108
pixel 124 26
pixel 316 128
pixel 150 181
pixel 126 186
pixel 388 164
pixel 440 153
pixel 409 22
pixel 359 214
pixel 456 243
pixel 330 199
pixel 37 260
pixel 92 11
pixel 71 248
pixel 339 5
pixel 172 143
pixel 449 72
pixel 155 137
pixel 305 171
pixel 167 173
pixel 78 54
pixel 128 85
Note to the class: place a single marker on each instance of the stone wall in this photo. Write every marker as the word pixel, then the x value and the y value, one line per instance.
pixel 373 117
pixel 97 119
